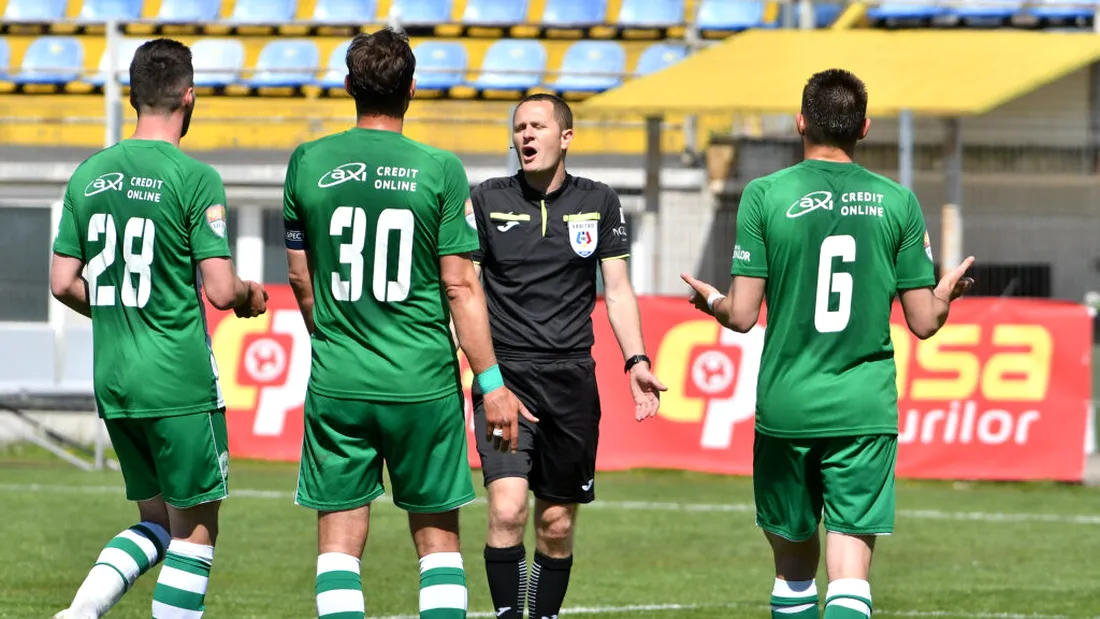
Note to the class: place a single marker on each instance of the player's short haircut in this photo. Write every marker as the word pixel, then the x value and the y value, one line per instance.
pixel 834 104
pixel 380 73
pixel 562 112
pixel 160 73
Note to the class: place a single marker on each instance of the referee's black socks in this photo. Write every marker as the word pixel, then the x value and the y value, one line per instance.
pixel 506 569
pixel 546 590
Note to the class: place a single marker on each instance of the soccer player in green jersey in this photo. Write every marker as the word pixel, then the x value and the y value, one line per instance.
pixel 149 223
pixel 830 245
pixel 379 233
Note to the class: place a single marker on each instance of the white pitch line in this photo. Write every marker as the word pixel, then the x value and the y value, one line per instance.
pixel 665 506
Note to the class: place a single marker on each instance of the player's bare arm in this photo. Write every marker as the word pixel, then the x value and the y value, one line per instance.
pixel 737 310
pixel 471 323
pixel 300 270
pixel 626 323
pixel 226 291
pixel 926 309
pixel 68 285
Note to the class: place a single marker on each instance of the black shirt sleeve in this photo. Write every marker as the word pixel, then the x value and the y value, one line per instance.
pixel 614 237
pixel 479 219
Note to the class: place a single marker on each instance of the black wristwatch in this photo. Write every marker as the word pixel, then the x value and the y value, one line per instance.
pixel 635 360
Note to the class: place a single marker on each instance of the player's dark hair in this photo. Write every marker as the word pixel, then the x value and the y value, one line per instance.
pixel 160 73
pixel 834 104
pixel 380 73
pixel 562 112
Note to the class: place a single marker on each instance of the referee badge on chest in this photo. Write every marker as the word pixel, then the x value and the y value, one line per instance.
pixel 583 236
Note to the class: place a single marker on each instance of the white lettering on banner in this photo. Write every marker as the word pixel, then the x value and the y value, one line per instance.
pixel 964 424
pixel 275 401
pixel 723 414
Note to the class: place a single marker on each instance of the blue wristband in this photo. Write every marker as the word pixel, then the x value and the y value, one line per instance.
pixel 490 380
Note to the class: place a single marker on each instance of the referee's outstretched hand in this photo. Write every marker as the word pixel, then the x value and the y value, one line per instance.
pixel 646 390
pixel 502 412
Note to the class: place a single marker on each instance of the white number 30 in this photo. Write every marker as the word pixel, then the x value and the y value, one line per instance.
pixel 829 283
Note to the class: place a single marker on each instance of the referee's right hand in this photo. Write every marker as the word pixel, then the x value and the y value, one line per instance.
pixel 502 411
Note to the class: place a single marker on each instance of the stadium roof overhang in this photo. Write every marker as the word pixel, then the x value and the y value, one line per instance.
pixel 929 72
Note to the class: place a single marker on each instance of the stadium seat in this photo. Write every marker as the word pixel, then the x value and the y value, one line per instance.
pixel 658 56
pixel 345 12
pixel 264 11
pixel 651 13
pixel 506 56
pixel 439 65
pixel 35 10
pixel 337 67
pixel 183 11
pixel 52 60
pixel 729 15
pixel 1068 9
pixel 495 12
pixel 289 63
pixel 5 61
pixel 825 13
pixel 217 62
pixel 568 13
pixel 584 58
pixel 422 11
pixel 890 12
pixel 987 12
pixel 100 10
pixel 127 48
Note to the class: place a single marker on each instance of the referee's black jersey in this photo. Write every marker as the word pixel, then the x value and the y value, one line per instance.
pixel 539 254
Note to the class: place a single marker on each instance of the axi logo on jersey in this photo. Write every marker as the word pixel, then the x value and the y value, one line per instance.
pixel 111 181
pixel 356 171
pixel 811 202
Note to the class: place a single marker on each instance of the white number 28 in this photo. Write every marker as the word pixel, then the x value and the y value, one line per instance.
pixel 137 264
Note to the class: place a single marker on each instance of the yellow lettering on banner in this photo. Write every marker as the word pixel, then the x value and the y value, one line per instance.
pixel 932 357
pixel 1033 365
pixel 903 347
pixel 227 342
pixel 673 365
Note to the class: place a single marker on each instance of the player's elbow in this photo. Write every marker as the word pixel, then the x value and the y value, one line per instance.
pixel 459 292
pixel 922 330
pixel 741 324
pixel 221 297
pixel 59 287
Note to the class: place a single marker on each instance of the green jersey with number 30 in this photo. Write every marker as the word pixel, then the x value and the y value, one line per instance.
pixel 835 242
pixel 376 210
pixel 141 215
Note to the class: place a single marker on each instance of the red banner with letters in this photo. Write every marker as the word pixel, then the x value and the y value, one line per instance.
pixel 1001 392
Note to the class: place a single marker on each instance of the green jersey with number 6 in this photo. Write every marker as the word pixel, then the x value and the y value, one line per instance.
pixel 141 215
pixel 835 242
pixel 376 210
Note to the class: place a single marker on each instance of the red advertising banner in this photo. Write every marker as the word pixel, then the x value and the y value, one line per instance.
pixel 1001 392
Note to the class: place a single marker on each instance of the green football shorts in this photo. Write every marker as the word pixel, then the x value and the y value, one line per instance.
pixel 849 478
pixel 423 445
pixel 184 458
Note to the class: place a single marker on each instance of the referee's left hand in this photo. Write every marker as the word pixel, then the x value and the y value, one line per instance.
pixel 646 390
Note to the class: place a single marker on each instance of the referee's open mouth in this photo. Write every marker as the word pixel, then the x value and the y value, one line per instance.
pixel 528 154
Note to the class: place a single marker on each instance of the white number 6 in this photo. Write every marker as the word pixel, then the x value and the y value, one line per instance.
pixel 828 283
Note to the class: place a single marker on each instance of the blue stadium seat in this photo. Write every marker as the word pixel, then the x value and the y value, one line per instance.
pixel 126 50
pixel 286 63
pixel 825 13
pixel 5 58
pixel 346 12
pixel 183 11
pixel 337 67
pixel 512 55
pixel 731 15
pixel 35 10
pixel 658 56
pixel 52 60
pixel 565 13
pixel 584 58
pixel 1070 9
pixel 111 9
pixel 217 62
pixel 987 11
pixel 422 11
pixel 264 11
pixel 904 11
pixel 651 13
pixel 495 12
pixel 440 65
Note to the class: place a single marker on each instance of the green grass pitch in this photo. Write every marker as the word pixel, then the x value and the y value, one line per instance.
pixel 655 544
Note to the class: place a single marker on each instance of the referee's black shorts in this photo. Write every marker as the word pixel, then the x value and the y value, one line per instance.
pixel 557 456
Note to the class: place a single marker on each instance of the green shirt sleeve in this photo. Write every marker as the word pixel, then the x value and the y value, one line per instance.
pixel 293 225
pixel 457 225
pixel 207 217
pixel 749 255
pixel 914 266
pixel 67 241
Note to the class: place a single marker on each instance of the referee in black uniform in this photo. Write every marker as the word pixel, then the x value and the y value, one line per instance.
pixel 543 234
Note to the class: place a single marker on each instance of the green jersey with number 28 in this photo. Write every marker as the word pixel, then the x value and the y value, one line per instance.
pixel 835 242
pixel 141 215
pixel 376 210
